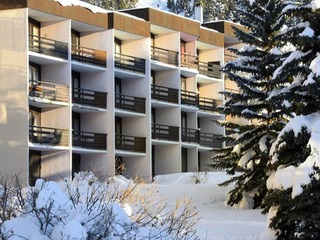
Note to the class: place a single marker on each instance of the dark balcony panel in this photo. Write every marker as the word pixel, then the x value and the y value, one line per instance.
pixel 48 46
pixel 210 69
pixel 189 61
pixel 89 56
pixel 49 91
pixel 208 104
pixel 89 98
pixel 166 94
pixel 48 136
pixel 129 63
pixel 130 103
pixel 210 140
pixel 164 132
pixel 164 56
pixel 130 143
pixel 190 135
pixel 189 98
pixel 89 140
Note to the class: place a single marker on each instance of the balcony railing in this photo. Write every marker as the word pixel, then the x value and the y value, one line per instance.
pixel 190 135
pixel 48 46
pixel 165 132
pixel 49 91
pixel 89 98
pixel 129 63
pixel 130 103
pixel 189 98
pixel 164 55
pixel 48 136
pixel 210 69
pixel 210 140
pixel 189 61
pixel 209 104
pixel 130 143
pixel 88 55
pixel 89 140
pixel 166 94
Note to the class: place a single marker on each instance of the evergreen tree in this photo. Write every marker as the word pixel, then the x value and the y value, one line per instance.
pixel 293 187
pixel 252 71
pixel 218 10
pixel 113 4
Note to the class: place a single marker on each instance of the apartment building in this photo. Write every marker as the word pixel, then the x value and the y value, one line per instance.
pixel 87 89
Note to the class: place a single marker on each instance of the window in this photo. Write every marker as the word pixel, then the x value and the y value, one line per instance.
pixel 183 46
pixel 34 33
pixel 117 45
pixel 34 166
pixel 34 116
pixel 183 83
pixel 75 37
pixel 34 73
pixel 184 159
pixel 183 120
pixel 117 86
pixel 152 39
pixel 76 121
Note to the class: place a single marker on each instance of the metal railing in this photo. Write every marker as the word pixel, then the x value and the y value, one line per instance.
pixel 48 136
pixel 130 103
pixel 190 135
pixel 189 98
pixel 165 132
pixel 89 140
pixel 164 55
pixel 48 46
pixel 166 94
pixel 210 140
pixel 130 143
pixel 49 91
pixel 130 63
pixel 88 55
pixel 189 61
pixel 209 104
pixel 210 69
pixel 89 98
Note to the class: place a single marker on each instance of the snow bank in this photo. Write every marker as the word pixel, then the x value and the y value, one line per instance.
pixel 89 6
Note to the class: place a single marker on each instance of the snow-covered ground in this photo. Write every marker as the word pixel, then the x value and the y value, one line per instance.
pixel 217 220
pixel 72 219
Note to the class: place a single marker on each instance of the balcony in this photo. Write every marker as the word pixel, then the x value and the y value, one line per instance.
pixel 89 56
pixel 89 140
pixel 49 91
pixel 48 136
pixel 190 135
pixel 210 140
pixel 189 61
pixel 165 94
pixel 189 98
pixel 89 98
pixel 164 55
pixel 130 103
pixel 165 132
pixel 209 104
pixel 130 143
pixel 48 46
pixel 129 63
pixel 210 70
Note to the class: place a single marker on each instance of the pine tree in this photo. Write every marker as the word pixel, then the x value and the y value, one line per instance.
pixel 113 4
pixel 252 71
pixel 293 187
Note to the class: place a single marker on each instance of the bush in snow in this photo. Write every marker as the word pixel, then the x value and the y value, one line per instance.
pixel 88 209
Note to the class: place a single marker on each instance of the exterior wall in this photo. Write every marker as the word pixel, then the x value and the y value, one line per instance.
pixel 13 93
pixel 97 31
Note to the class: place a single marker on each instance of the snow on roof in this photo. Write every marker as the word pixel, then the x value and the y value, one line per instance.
pixel 89 6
